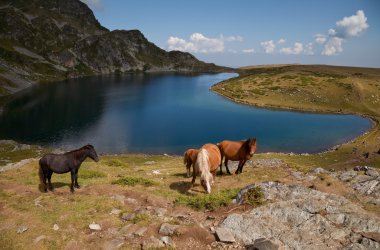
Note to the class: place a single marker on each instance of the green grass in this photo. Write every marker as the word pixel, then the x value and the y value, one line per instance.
pixel 133 181
pixel 212 201
pixel 90 174
pixel 254 197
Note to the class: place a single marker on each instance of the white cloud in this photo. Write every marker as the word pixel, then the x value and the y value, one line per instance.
pixel 96 4
pixel 348 27
pixel 308 50
pixel 333 46
pixel 281 41
pixel 295 50
pixel 268 46
pixel 319 38
pixel 198 43
pixel 232 38
pixel 248 50
pixel 352 26
pixel 331 32
pixel 232 51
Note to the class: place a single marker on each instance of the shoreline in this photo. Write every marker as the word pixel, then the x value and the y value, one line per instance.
pixel 374 121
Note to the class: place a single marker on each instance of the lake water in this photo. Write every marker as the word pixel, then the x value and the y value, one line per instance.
pixel 161 113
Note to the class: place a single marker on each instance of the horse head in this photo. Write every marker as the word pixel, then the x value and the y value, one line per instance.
pixel 91 152
pixel 250 144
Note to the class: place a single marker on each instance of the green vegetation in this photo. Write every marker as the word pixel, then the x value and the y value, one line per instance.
pixel 214 200
pixel 254 197
pixel 133 181
pixel 316 88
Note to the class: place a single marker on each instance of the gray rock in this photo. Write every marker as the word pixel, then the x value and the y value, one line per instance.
pixel 224 235
pixel 115 211
pixel 160 211
pixel 367 187
pixel 268 163
pixel 297 175
pixel 152 243
pixel 167 229
pixel 263 244
pixel 166 240
pixel 113 244
pixel 318 171
pixel 347 176
pixel 128 216
pixel 21 229
pixel 372 172
pixel 95 227
pixel 301 218
pixel 140 232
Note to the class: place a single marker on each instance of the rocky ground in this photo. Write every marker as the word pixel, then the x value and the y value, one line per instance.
pixel 318 209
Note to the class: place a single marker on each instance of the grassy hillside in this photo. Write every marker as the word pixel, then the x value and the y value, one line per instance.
pixel 315 88
pixel 141 185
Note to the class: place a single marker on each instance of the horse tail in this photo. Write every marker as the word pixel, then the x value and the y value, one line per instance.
pixel 41 172
pixel 202 166
pixel 185 158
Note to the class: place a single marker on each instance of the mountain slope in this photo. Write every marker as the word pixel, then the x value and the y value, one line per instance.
pixel 49 40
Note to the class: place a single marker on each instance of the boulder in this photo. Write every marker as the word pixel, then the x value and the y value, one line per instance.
pixel 224 235
pixel 167 229
pixel 347 175
pixel 297 217
pixel 263 244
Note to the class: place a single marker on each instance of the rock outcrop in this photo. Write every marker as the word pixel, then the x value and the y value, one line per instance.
pixel 48 40
pixel 297 217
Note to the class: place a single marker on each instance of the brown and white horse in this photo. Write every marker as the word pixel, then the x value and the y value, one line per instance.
pixel 206 164
pixel 237 151
pixel 189 159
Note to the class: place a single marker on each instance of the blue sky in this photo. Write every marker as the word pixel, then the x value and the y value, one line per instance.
pixel 242 32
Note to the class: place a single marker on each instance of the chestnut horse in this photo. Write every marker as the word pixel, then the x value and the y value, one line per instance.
pixel 237 151
pixel 206 164
pixel 189 159
pixel 63 163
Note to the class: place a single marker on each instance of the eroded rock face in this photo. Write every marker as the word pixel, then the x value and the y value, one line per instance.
pixel 302 218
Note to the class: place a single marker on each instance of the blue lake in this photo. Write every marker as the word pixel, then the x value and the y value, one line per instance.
pixel 161 113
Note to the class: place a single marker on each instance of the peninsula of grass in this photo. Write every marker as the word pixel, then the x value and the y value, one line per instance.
pixel 316 88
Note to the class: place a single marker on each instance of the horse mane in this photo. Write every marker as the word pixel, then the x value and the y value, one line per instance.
pixel 249 142
pixel 202 164
pixel 88 146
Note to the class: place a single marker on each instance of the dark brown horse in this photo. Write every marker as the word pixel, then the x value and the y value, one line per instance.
pixel 208 160
pixel 189 159
pixel 237 151
pixel 63 163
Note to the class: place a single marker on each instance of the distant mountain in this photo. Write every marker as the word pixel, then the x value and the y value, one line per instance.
pixel 50 40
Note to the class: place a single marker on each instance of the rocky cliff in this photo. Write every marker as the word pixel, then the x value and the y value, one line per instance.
pixel 48 40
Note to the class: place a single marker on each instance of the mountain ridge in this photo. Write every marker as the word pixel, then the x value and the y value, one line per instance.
pixel 44 41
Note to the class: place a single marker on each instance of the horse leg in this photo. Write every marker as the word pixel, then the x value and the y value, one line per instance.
pixel 42 175
pixel 50 172
pixel 188 166
pixel 76 179
pixel 238 168
pixel 72 180
pixel 242 165
pixel 221 164
pixel 194 176
pixel 226 164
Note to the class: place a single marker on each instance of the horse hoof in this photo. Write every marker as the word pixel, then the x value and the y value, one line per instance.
pixel 78 187
pixel 72 190
pixel 229 173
